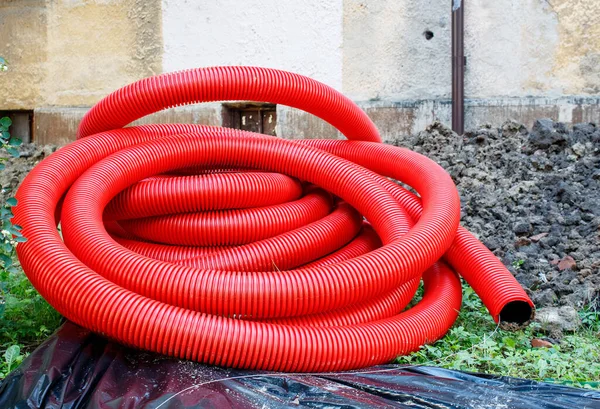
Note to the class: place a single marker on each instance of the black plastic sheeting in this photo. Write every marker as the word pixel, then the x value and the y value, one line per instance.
pixel 77 369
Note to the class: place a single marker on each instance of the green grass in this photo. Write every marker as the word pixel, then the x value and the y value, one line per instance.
pixel 476 344
pixel 26 319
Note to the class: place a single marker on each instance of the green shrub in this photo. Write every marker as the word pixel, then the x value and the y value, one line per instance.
pixel 25 317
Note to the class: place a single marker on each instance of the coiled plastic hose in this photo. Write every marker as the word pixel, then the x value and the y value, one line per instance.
pixel 244 250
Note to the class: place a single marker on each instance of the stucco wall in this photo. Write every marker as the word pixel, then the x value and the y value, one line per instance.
pixel 23 43
pixel 73 52
pixel 98 46
pixel 577 61
pixel 299 36
pixel 526 58
pixel 387 57
pixel 513 48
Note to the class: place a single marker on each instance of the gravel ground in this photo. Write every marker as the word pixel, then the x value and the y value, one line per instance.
pixel 533 197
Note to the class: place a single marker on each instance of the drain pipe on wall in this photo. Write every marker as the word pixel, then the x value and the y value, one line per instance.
pixel 458 67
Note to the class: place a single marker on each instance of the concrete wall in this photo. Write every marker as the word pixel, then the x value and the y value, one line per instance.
pixel 526 58
pixel 398 119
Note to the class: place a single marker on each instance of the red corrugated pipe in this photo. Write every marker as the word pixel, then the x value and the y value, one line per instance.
pixel 244 250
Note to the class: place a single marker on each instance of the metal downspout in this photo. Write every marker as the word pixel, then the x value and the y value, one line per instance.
pixel 458 67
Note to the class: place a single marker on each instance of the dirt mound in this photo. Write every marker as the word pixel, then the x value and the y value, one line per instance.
pixel 17 168
pixel 533 198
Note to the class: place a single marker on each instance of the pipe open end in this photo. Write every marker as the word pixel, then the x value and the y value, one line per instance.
pixel 516 315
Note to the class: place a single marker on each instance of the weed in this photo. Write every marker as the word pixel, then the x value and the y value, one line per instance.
pixel 476 344
pixel 517 264
pixel 25 319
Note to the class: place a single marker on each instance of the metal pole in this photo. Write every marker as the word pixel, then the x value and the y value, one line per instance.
pixel 458 67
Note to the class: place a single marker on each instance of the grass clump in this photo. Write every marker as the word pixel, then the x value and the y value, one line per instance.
pixel 476 344
pixel 26 319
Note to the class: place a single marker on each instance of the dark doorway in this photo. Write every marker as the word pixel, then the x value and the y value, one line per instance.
pixel 250 116
pixel 22 124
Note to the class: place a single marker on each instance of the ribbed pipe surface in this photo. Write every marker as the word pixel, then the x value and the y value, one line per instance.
pixel 244 250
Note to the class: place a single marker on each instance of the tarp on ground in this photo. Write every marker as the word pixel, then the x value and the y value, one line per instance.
pixel 77 369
